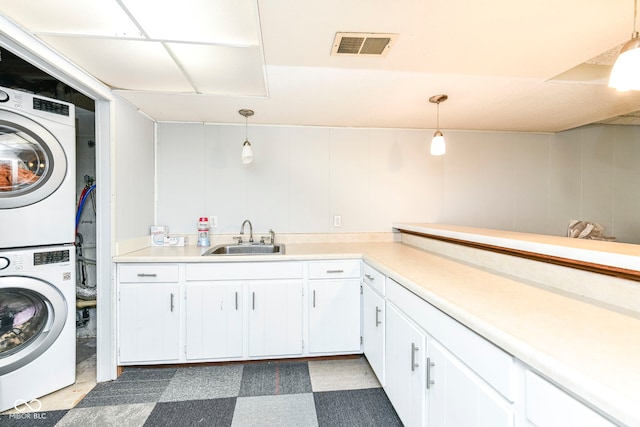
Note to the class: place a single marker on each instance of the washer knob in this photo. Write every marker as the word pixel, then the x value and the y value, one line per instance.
pixel 4 96
pixel 4 262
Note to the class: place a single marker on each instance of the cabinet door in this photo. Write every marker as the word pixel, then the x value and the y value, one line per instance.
pixel 334 316
pixel 148 322
pixel 275 318
pixel 213 320
pixel 404 368
pixel 458 397
pixel 373 325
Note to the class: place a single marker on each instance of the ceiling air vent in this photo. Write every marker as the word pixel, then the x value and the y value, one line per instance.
pixel 362 43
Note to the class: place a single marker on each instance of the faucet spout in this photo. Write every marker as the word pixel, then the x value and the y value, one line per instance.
pixel 246 221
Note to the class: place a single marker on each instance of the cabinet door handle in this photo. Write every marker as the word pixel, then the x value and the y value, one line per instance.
pixel 147 275
pixel 236 300
pixel 253 300
pixel 378 311
pixel 414 349
pixel 314 298
pixel 430 364
pixel 334 271
pixel 171 306
pixel 370 277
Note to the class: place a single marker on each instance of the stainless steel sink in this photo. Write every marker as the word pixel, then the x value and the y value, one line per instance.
pixel 246 249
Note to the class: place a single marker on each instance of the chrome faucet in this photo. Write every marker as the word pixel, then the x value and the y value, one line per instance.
pixel 246 221
pixel 272 236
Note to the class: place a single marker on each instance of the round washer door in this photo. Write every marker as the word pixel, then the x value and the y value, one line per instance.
pixel 33 163
pixel 32 315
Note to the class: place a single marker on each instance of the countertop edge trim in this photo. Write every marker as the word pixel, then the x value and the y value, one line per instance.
pixel 619 272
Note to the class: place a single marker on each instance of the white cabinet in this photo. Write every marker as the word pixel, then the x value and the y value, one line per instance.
pixel 373 320
pixel 275 318
pixel 214 320
pixel 148 320
pixel 334 307
pixel 548 406
pixel 405 368
pixel 458 397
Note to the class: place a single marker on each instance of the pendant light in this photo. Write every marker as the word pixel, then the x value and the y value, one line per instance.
pixel 247 151
pixel 625 74
pixel 438 147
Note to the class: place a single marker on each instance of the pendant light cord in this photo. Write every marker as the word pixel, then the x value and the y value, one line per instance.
pixel 635 14
pixel 438 116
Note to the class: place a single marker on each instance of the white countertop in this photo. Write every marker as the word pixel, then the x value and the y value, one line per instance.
pixel 587 349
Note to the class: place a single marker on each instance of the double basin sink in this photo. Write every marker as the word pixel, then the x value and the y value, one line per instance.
pixel 246 249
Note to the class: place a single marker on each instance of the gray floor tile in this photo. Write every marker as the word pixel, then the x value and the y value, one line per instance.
pixel 133 386
pixel 275 411
pixel 204 382
pixel 210 413
pixel 269 378
pixel 108 416
pixel 354 408
pixel 342 374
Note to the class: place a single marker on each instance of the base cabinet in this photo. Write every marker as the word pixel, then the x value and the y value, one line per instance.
pixel 214 320
pixel 334 316
pixel 548 406
pixel 275 318
pixel 148 322
pixel 405 368
pixel 373 330
pixel 457 397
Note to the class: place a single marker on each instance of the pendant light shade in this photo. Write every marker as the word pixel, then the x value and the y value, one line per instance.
pixel 247 151
pixel 438 145
pixel 625 74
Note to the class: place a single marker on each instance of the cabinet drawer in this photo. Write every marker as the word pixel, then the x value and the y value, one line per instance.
pixel 334 269
pixel 491 363
pixel 148 273
pixel 373 278
pixel 244 271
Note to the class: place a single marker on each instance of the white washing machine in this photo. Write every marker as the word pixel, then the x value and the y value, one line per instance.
pixel 37 322
pixel 37 170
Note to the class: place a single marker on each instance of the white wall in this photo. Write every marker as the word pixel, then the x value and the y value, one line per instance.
pixel 133 172
pixel 303 176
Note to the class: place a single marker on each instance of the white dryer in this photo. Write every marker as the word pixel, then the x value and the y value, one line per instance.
pixel 37 170
pixel 37 323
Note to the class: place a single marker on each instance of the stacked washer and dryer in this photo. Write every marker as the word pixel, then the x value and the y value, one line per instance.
pixel 37 253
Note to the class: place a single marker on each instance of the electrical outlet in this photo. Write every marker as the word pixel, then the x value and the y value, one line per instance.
pixel 213 222
pixel 337 221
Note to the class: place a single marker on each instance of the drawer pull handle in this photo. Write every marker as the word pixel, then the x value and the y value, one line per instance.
pixel 253 300
pixel 334 271
pixel 236 300
pixel 378 311
pixel 147 275
pixel 314 298
pixel 370 277
pixel 414 349
pixel 171 304
pixel 430 364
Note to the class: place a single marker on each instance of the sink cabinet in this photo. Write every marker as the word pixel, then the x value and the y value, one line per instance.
pixel 275 318
pixel 214 320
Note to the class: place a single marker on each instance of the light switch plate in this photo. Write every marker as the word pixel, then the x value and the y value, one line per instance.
pixel 337 221
pixel 213 222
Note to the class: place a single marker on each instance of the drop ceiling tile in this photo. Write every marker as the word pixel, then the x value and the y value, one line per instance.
pixel 205 21
pixel 125 64
pixel 97 18
pixel 222 70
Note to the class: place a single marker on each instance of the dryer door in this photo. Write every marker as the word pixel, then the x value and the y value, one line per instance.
pixel 32 315
pixel 32 161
